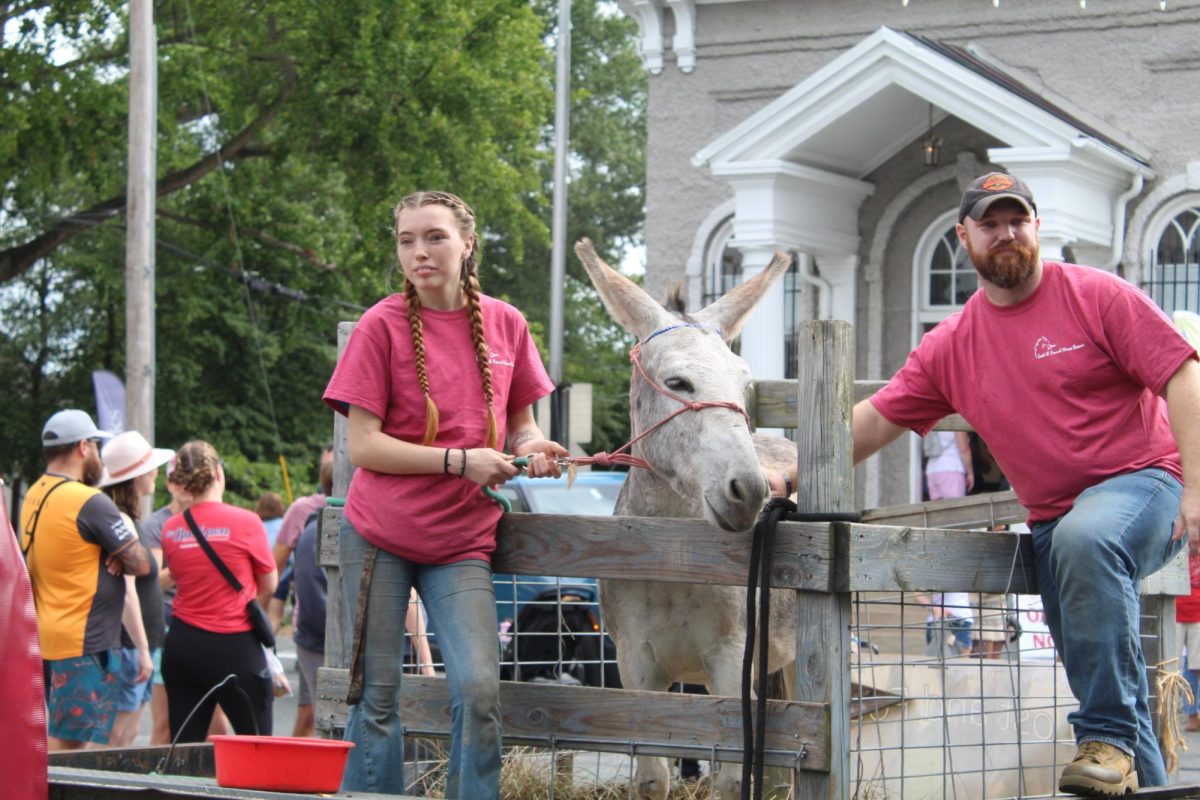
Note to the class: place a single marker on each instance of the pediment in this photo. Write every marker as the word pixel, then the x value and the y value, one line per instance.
pixel 868 103
pixel 837 126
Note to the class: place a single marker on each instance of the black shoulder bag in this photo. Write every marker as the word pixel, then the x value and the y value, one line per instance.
pixel 259 624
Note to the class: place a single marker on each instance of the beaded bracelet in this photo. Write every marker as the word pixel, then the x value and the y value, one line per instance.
pixel 446 462
pixel 463 469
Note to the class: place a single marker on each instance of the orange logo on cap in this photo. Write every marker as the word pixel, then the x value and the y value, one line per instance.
pixel 997 183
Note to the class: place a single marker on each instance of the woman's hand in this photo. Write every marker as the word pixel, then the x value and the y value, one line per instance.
pixel 485 466
pixel 543 457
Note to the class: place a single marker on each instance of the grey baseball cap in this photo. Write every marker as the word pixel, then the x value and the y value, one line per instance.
pixel 987 189
pixel 71 425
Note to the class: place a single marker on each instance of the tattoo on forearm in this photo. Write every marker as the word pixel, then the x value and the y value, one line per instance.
pixel 134 559
pixel 521 438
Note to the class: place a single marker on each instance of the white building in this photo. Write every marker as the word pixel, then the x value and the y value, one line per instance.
pixel 804 125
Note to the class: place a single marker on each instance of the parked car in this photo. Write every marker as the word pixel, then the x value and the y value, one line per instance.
pixel 550 627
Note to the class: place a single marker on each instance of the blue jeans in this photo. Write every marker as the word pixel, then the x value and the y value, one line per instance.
pixel 1089 562
pixel 461 603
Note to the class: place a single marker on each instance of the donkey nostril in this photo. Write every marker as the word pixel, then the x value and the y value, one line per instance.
pixel 735 491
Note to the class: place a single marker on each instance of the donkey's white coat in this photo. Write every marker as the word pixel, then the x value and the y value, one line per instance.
pixel 703 464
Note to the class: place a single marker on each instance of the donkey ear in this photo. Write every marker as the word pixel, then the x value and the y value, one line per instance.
pixel 732 310
pixel 627 303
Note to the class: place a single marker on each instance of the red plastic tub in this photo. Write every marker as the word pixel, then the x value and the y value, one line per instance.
pixel 280 763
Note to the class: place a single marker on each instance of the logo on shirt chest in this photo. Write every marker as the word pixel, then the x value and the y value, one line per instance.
pixel 1044 348
pixel 496 358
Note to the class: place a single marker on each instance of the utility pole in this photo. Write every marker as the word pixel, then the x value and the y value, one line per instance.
pixel 139 220
pixel 558 254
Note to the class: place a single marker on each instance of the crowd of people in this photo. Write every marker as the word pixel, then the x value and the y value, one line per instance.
pixel 155 610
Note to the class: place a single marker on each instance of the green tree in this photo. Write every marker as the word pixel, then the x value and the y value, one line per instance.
pixel 286 132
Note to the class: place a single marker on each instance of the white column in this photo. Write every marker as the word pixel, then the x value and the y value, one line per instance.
pixel 762 338
pixel 1051 247
pixel 840 271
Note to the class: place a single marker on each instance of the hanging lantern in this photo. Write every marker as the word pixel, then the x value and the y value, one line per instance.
pixel 931 146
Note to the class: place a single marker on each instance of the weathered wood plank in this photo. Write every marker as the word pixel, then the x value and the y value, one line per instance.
pixel 883 558
pixel 673 550
pixel 873 557
pixel 195 760
pixel 973 511
pixel 776 404
pixel 824 445
pixel 73 783
pixel 606 720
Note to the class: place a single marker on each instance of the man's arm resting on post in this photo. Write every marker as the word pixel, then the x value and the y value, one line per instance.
pixel 1182 393
pixel 872 432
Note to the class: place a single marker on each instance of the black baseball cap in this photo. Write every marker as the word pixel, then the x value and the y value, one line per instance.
pixel 987 189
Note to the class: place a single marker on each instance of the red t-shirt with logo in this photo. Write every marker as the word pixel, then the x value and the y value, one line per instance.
pixel 203 598
pixel 1062 386
pixel 433 518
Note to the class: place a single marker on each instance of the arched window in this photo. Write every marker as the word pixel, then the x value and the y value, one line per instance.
pixel 723 271
pixel 943 277
pixel 722 263
pixel 1175 260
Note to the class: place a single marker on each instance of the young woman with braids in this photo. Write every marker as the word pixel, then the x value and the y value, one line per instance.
pixel 210 635
pixel 433 380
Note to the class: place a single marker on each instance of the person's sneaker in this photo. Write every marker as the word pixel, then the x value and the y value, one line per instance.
pixel 1099 768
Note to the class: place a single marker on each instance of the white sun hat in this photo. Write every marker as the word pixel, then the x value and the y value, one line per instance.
pixel 127 455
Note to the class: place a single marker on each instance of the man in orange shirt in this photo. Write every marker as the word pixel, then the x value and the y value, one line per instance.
pixel 77 550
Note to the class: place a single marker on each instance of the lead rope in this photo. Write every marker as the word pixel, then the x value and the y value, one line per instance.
pixel 758 626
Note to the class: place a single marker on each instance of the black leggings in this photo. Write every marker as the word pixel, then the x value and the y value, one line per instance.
pixel 195 660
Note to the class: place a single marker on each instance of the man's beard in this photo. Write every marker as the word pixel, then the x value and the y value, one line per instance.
pixel 92 470
pixel 1008 268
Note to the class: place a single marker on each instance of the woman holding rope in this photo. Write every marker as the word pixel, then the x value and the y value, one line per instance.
pixel 432 380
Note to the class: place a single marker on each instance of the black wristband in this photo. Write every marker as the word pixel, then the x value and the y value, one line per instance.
pixel 446 462
pixel 463 469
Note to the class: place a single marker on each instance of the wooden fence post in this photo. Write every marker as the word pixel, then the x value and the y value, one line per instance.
pixel 824 444
pixel 342 470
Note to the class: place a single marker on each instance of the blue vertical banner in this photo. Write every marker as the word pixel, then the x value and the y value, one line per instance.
pixel 110 401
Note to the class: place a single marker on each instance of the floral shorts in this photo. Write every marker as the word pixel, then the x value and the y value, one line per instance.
pixel 81 696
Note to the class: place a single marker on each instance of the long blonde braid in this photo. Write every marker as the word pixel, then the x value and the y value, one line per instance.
pixel 416 328
pixel 482 356
pixel 471 289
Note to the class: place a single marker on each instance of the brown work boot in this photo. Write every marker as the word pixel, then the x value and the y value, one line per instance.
pixel 1099 768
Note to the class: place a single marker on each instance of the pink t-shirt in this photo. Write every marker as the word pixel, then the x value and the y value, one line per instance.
pixel 203 597
pixel 433 518
pixel 1062 386
pixel 294 518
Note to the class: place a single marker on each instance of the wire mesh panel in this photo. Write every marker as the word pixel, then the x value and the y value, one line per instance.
pixel 959 696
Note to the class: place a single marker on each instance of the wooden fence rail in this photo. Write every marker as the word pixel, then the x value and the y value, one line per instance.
pixel 901 549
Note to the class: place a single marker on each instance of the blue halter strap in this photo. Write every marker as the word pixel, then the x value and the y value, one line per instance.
pixel 682 325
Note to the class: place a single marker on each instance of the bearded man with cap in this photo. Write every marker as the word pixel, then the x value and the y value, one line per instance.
pixel 1086 394
pixel 78 551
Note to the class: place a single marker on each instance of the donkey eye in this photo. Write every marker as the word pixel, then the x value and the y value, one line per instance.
pixel 679 385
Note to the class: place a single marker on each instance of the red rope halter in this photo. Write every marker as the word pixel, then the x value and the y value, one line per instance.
pixel 619 456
